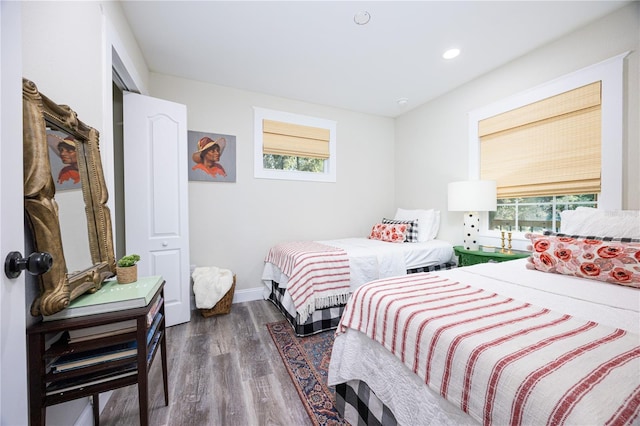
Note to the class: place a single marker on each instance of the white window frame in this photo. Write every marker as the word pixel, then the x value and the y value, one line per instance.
pixel 329 174
pixel 611 73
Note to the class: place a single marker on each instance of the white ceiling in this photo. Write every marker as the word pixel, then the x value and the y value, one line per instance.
pixel 313 51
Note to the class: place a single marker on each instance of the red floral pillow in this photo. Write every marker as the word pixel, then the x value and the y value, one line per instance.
pixel 614 261
pixel 390 232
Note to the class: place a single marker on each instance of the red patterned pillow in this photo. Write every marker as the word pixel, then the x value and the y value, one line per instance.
pixel 614 261
pixel 390 232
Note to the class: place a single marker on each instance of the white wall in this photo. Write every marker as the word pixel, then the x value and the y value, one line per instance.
pixel 432 140
pixel 232 225
pixel 62 54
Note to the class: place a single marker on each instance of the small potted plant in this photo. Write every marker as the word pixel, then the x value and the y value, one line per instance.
pixel 127 269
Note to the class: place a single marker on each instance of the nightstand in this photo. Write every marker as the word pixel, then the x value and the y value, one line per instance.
pixel 96 360
pixel 472 257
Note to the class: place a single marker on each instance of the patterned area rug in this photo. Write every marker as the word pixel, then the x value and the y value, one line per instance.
pixel 307 361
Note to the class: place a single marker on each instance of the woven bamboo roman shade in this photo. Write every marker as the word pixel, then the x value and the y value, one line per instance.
pixel 280 138
pixel 550 147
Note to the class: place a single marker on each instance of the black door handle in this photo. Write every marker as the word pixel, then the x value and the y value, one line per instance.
pixel 35 264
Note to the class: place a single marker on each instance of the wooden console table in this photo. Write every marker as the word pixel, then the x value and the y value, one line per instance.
pixel 53 379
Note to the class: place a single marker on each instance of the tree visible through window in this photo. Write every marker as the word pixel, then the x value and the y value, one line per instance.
pixel 536 214
pixel 288 162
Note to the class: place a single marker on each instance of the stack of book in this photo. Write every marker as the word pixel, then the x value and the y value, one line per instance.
pixel 153 337
pixel 110 298
pixel 91 357
pixel 154 310
pixel 103 354
pixel 79 382
pixel 101 331
pixel 113 329
pixel 78 360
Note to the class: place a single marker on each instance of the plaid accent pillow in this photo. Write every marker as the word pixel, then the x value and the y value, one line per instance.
pixel 412 229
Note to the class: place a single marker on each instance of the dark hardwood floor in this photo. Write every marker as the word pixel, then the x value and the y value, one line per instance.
pixel 223 370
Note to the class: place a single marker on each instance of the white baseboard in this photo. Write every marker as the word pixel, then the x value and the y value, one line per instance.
pixel 248 294
pixel 86 417
pixel 239 296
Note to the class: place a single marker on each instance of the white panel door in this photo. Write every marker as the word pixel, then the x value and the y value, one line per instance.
pixel 13 344
pixel 156 198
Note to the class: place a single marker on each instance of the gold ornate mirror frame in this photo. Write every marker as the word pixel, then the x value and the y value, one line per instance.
pixel 58 287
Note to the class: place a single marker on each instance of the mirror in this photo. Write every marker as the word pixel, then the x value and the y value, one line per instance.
pixel 75 222
pixel 71 213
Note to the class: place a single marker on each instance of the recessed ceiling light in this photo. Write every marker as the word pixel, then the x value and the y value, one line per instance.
pixel 362 17
pixel 451 53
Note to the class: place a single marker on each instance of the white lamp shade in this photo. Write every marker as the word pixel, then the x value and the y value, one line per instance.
pixel 472 196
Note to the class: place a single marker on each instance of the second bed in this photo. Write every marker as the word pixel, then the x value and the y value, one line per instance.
pixel 368 260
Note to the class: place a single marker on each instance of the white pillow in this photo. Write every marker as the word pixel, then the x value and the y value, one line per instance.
pixel 587 221
pixel 435 226
pixel 428 222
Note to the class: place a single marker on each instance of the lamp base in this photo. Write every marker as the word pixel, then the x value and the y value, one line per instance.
pixel 471 231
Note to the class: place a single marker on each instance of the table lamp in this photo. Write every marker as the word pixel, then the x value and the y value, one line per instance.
pixel 472 197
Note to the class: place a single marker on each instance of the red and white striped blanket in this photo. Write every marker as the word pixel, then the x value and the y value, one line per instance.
pixel 318 274
pixel 502 361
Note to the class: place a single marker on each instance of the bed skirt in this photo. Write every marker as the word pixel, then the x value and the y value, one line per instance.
pixel 358 405
pixel 328 318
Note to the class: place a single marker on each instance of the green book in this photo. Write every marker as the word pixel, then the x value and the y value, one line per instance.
pixel 111 297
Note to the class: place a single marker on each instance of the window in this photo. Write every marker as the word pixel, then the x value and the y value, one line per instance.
pixel 523 209
pixel 535 214
pixel 539 154
pixel 294 147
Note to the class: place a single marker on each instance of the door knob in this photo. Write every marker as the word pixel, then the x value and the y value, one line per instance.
pixel 35 264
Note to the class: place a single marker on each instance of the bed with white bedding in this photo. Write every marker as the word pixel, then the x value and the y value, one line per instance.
pixel 355 261
pixel 495 344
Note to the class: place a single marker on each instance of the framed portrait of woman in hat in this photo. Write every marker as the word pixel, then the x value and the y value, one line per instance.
pixel 64 161
pixel 212 157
